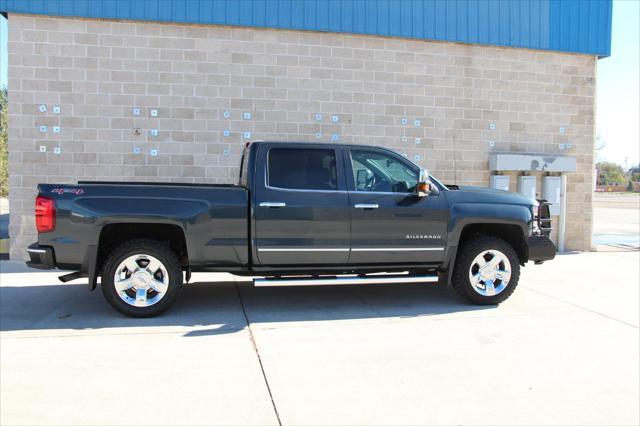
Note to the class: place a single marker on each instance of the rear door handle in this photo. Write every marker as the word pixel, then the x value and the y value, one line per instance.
pixel 272 204
pixel 366 206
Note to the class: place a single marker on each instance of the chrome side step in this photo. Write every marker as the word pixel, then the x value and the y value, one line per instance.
pixel 344 280
pixel 72 276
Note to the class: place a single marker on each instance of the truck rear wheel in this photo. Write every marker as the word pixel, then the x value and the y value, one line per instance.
pixel 487 270
pixel 141 278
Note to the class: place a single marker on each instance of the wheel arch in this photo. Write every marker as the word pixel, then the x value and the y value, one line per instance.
pixel 513 231
pixel 513 234
pixel 114 234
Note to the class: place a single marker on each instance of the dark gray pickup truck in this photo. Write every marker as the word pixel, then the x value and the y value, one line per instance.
pixel 302 214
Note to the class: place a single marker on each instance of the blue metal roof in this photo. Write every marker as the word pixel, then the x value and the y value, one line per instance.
pixel 580 26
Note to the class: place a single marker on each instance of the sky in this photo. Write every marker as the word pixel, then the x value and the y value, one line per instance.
pixel 618 88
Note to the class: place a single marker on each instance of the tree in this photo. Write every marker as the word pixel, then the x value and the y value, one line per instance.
pixel 4 145
pixel 634 173
pixel 610 174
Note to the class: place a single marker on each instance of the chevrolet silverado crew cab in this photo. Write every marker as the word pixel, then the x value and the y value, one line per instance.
pixel 301 214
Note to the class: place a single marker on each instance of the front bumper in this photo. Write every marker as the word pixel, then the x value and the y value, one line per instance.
pixel 41 257
pixel 540 248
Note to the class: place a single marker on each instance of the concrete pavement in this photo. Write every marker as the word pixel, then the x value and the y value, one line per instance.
pixel 616 221
pixel 68 359
pixel 562 350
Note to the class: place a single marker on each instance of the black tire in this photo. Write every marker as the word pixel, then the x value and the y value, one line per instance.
pixel 149 247
pixel 468 252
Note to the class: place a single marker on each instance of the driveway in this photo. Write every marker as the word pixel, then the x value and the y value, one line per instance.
pixel 616 221
pixel 562 350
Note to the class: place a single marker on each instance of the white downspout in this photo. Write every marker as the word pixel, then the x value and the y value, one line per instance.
pixel 563 212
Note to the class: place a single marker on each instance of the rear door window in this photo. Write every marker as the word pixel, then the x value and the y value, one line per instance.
pixel 302 168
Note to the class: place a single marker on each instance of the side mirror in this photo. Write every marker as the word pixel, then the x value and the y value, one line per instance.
pixel 424 186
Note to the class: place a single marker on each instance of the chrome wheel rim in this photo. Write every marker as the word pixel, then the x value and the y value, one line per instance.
pixel 141 280
pixel 490 273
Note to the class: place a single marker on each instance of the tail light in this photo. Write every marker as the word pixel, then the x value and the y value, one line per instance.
pixel 45 214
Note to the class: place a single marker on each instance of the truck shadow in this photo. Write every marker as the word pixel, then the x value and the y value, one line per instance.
pixel 214 308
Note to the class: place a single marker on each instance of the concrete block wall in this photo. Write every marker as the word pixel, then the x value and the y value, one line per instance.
pixel 97 71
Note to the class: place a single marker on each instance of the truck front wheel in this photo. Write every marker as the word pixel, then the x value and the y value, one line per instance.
pixel 487 270
pixel 141 278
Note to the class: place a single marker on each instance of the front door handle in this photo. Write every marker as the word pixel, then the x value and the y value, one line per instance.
pixel 272 204
pixel 366 206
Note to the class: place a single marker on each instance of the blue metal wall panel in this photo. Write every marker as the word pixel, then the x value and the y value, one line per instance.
pixel 581 26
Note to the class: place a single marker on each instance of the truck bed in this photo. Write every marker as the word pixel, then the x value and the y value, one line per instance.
pixel 212 218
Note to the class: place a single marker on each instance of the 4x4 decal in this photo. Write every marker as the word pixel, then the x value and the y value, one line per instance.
pixel 75 191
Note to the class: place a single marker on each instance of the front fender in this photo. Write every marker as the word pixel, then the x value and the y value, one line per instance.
pixel 464 214
pixel 500 214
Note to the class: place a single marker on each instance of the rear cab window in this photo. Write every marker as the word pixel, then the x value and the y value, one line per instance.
pixel 302 168
pixel 244 164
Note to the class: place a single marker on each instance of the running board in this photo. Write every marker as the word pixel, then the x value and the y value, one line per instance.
pixel 351 280
pixel 72 276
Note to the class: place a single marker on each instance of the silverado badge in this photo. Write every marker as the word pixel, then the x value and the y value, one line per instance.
pixel 423 237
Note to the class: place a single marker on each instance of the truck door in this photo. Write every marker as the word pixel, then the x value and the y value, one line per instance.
pixel 389 223
pixel 301 208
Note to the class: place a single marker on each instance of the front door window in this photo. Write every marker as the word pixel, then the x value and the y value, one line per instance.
pixel 374 171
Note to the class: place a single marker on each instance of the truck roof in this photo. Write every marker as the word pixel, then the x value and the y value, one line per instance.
pixel 329 144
